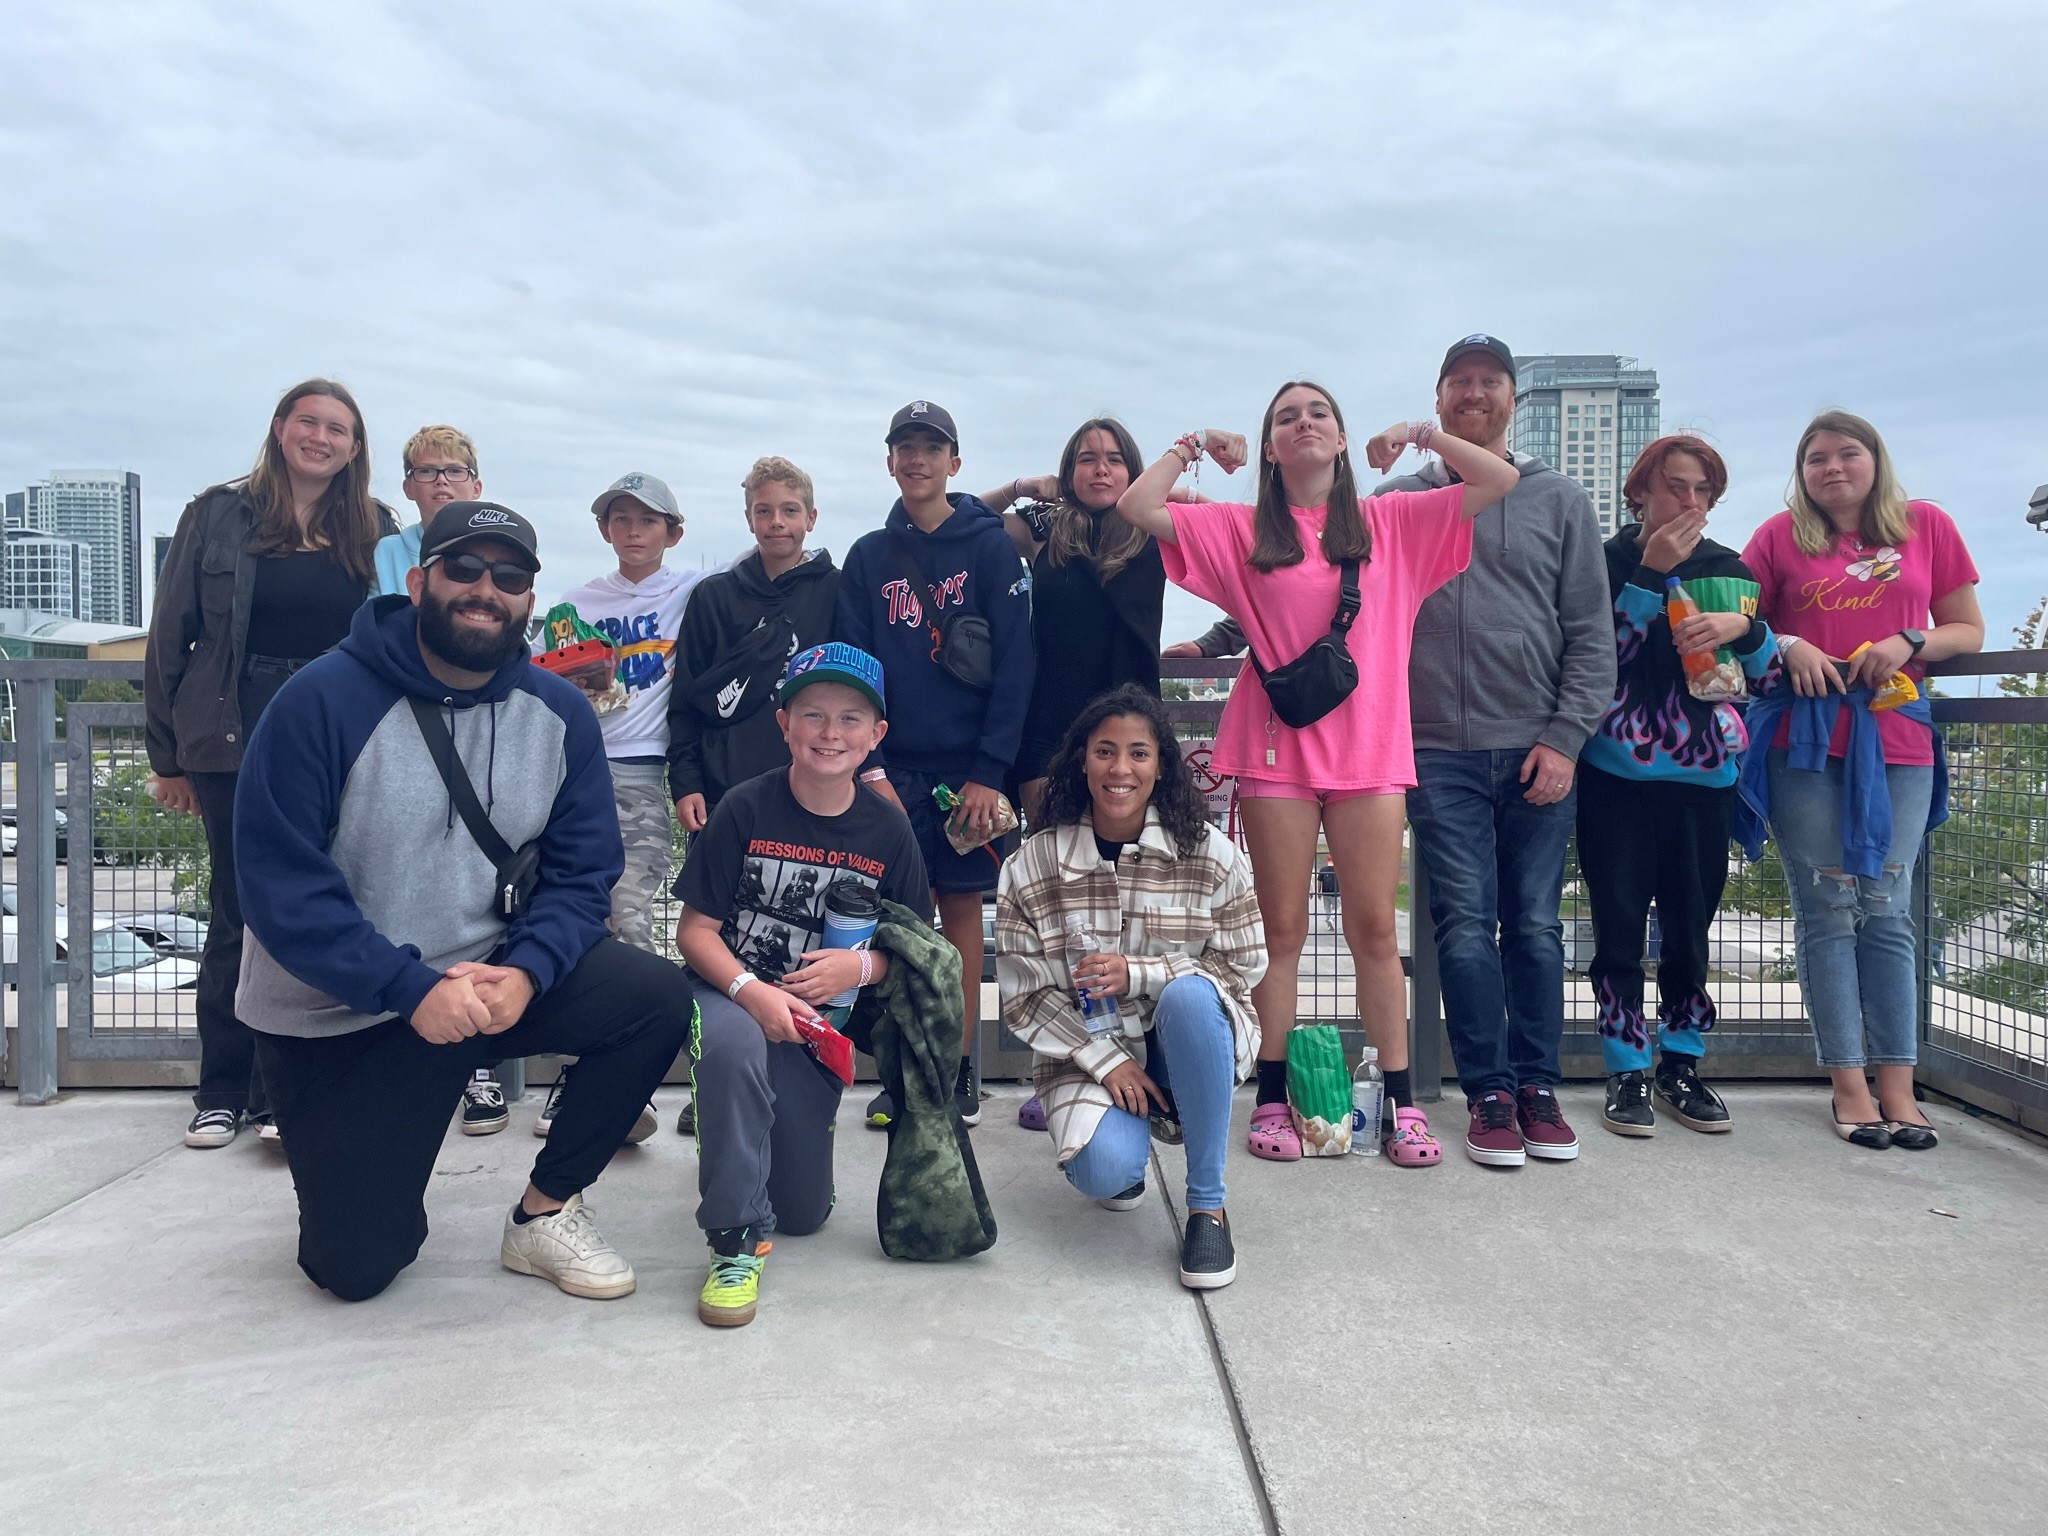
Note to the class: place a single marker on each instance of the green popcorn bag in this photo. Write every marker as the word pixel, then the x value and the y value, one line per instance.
pixel 1319 1090
pixel 576 651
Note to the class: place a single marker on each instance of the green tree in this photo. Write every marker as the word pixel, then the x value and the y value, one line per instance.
pixel 130 828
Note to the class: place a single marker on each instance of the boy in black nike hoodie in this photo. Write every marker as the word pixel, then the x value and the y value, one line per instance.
pixel 742 626
pixel 937 558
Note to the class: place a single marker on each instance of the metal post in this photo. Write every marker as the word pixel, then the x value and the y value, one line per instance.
pixel 1426 1017
pixel 1923 951
pixel 35 873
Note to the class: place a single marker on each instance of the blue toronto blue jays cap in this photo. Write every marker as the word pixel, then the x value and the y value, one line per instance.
pixel 836 662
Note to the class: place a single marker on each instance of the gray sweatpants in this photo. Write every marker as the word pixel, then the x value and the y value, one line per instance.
pixel 765 1114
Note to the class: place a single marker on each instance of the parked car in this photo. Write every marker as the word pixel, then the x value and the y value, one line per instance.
pixel 168 933
pixel 120 961
pixel 10 904
pixel 10 832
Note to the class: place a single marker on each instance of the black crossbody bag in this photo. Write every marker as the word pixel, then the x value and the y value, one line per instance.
pixel 1321 677
pixel 962 642
pixel 518 871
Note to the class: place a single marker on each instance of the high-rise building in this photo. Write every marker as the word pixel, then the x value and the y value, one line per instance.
pixel 103 510
pixel 162 543
pixel 17 509
pixel 1587 416
pixel 46 574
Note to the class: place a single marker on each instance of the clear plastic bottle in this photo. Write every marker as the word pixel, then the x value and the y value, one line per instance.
pixel 1368 1094
pixel 1100 1013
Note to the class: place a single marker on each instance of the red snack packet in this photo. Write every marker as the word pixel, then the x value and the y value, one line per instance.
pixel 829 1048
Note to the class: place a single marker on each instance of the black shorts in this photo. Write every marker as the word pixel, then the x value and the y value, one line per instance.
pixel 950 872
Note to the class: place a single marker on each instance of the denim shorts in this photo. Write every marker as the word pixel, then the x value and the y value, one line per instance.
pixel 950 872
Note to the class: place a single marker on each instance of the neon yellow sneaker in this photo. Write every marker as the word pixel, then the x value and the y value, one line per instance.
pixel 734 1284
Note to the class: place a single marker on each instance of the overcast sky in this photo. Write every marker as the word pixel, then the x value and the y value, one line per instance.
pixel 676 236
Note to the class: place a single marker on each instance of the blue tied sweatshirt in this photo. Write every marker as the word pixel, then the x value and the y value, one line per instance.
pixel 1866 803
pixel 937 724
pixel 360 883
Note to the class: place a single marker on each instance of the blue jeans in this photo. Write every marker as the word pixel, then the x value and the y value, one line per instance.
pixel 1495 865
pixel 1194 1032
pixel 1853 936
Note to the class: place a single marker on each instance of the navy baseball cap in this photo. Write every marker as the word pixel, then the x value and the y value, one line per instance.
pixel 922 413
pixel 462 523
pixel 835 662
pixel 1479 341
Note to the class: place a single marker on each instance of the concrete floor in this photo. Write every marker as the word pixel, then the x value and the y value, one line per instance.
pixel 1767 1332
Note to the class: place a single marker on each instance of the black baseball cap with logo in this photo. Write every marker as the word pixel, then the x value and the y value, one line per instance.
pixel 1479 341
pixel 462 523
pixel 922 413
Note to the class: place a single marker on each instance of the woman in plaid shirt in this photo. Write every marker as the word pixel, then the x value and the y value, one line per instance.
pixel 1123 843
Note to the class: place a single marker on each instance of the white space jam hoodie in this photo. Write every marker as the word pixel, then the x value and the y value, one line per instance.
pixel 643 620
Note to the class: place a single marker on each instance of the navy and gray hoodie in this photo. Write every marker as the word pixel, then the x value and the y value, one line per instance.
pixel 937 724
pixel 360 885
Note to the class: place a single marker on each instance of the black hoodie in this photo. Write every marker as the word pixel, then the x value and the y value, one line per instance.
pixel 738 631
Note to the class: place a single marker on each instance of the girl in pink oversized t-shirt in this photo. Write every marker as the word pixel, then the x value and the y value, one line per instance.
pixel 1274 567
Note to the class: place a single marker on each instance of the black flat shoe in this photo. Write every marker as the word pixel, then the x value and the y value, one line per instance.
pixel 1908 1137
pixel 1874 1134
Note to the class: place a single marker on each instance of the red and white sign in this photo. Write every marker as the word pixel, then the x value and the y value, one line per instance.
pixel 1215 788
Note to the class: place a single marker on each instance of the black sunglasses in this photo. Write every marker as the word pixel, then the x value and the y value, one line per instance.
pixel 467 570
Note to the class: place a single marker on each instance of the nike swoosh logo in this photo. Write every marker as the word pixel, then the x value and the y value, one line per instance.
pixel 729 696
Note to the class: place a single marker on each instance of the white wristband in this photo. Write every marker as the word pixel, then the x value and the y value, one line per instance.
pixel 733 987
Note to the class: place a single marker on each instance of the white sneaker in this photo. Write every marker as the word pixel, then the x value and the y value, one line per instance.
pixel 644 1127
pixel 567 1248
pixel 212 1128
pixel 270 1135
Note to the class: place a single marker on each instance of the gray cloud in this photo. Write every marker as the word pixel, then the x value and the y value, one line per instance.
pixel 676 237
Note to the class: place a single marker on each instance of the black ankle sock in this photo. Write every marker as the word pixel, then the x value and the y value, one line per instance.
pixel 1400 1091
pixel 730 1242
pixel 1272 1082
pixel 1669 1062
pixel 521 1216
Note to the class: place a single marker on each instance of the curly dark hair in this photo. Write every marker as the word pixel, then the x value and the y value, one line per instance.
pixel 1067 801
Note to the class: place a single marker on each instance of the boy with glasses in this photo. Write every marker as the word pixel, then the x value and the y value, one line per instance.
pixel 440 467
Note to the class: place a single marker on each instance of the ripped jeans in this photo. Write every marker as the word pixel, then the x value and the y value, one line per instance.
pixel 1853 936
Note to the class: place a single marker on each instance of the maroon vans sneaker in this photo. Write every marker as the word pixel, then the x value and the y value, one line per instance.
pixel 1492 1138
pixel 1544 1132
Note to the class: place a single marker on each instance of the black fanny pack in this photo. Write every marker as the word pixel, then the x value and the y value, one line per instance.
pixel 1321 677
pixel 962 642
pixel 741 680
pixel 518 871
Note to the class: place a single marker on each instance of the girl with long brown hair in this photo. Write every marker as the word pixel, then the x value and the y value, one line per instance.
pixel 1278 567
pixel 263 575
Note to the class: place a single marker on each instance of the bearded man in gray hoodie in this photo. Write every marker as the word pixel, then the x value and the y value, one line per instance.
pixel 1512 668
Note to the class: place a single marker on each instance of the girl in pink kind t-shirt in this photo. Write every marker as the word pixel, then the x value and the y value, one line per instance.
pixel 1274 567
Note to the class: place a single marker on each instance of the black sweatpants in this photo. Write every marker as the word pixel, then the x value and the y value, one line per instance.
pixel 228 1075
pixel 1644 840
pixel 363 1115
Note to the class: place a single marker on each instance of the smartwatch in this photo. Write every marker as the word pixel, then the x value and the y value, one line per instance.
pixel 1915 638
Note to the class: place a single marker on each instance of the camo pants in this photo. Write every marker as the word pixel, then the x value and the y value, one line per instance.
pixel 640 791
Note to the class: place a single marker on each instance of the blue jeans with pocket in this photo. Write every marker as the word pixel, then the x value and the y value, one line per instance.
pixel 1496 867
pixel 1201 1053
pixel 1853 936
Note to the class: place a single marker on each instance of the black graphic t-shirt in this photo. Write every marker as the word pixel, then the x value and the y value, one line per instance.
pixel 764 863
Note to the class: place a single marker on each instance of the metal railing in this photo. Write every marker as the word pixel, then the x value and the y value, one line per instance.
pixel 110 891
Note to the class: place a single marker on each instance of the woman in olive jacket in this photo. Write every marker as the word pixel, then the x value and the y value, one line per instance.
pixel 263 575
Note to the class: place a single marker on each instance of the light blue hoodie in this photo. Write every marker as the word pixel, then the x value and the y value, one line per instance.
pixel 397 553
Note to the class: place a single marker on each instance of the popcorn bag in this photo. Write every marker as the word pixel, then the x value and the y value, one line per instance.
pixel 579 653
pixel 962 840
pixel 1319 1090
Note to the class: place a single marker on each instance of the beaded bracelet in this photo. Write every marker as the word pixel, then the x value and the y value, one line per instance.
pixel 867 968
pixel 1420 432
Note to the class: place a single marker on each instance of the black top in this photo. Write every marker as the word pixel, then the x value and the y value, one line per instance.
pixel 1089 638
pixel 302 605
pixel 1107 849
pixel 763 864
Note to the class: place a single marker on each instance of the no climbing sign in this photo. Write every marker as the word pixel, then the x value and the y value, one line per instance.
pixel 1215 788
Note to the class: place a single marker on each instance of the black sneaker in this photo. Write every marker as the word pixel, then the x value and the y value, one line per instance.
pixel 212 1128
pixel 1681 1092
pixel 686 1118
pixel 483 1106
pixel 880 1113
pixel 1628 1111
pixel 967 1094
pixel 1129 1200
pixel 553 1106
pixel 1208 1261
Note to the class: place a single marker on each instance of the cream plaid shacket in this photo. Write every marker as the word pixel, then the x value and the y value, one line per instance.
pixel 1175 916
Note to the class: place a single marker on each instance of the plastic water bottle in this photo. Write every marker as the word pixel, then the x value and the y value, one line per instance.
pixel 1099 1013
pixel 1368 1093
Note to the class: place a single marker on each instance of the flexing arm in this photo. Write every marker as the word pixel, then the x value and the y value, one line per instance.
pixel 1487 477
pixel 1144 503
